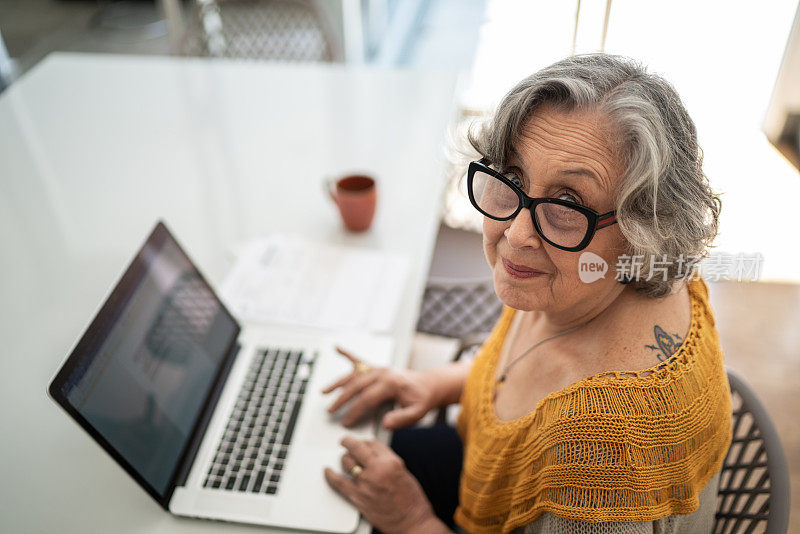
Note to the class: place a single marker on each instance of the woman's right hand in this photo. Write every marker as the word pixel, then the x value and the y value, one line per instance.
pixel 413 391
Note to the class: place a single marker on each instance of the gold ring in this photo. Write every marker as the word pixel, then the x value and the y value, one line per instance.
pixel 361 367
pixel 355 471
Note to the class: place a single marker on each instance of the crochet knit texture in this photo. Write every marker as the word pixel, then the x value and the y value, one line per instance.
pixel 615 446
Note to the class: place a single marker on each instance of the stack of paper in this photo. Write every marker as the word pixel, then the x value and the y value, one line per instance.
pixel 288 280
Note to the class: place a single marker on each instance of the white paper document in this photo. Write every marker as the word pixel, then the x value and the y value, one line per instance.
pixel 288 280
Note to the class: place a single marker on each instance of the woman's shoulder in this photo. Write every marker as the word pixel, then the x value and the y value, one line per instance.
pixel 663 358
pixel 647 331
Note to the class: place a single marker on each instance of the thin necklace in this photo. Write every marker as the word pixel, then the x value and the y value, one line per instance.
pixel 518 358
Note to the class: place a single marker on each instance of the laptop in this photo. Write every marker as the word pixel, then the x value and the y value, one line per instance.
pixel 212 419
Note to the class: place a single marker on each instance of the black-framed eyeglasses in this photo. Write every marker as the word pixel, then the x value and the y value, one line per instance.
pixel 561 223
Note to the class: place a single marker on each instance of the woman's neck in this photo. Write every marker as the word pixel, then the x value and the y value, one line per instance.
pixel 542 324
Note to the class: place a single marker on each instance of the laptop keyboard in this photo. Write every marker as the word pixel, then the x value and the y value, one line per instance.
pixel 251 454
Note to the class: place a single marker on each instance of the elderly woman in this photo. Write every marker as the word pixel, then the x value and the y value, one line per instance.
pixel 599 403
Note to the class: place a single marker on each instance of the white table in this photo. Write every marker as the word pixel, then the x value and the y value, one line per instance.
pixel 94 149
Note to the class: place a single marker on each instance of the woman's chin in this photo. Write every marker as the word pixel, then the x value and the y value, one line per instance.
pixel 519 297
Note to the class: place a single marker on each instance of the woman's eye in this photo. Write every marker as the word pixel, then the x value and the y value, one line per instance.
pixel 514 179
pixel 569 197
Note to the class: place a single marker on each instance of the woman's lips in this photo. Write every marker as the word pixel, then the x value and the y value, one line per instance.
pixel 518 271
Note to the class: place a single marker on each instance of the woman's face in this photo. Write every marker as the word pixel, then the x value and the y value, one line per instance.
pixel 568 156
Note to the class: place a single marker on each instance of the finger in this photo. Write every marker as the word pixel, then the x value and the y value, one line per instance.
pixel 341 483
pixel 352 389
pixel 402 417
pixel 375 447
pixel 371 396
pixel 359 450
pixel 347 355
pixel 339 383
pixel 348 462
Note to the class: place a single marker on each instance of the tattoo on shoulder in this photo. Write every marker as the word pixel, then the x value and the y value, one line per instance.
pixel 666 344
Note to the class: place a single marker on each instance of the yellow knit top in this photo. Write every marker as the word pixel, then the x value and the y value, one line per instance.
pixel 615 446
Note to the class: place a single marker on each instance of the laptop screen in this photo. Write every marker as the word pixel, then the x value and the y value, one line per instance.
pixel 142 371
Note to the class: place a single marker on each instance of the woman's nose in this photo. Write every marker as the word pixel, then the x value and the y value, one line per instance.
pixel 521 233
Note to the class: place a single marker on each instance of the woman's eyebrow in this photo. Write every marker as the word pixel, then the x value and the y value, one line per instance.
pixel 581 172
pixel 577 171
pixel 516 156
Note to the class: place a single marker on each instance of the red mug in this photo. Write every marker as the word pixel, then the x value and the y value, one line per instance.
pixel 356 197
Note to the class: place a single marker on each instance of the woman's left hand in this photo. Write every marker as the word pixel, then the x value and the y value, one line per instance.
pixel 388 496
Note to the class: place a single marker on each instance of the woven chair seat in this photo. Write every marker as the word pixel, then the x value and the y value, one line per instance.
pixel 456 308
pixel 753 494
pixel 283 30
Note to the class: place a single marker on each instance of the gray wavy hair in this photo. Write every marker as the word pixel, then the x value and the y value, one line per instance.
pixel 665 206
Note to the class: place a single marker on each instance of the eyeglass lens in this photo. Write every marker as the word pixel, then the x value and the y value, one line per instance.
pixel 562 225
